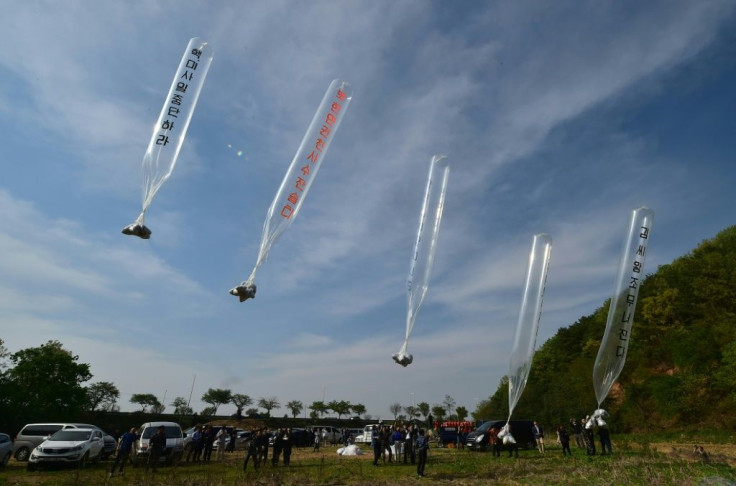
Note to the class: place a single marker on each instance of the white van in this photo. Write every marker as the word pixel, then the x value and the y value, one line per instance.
pixel 174 440
pixel 367 436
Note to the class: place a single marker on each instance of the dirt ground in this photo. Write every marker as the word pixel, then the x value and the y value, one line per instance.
pixel 717 453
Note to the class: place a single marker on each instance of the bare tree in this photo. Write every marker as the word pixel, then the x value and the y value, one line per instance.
pixel 395 409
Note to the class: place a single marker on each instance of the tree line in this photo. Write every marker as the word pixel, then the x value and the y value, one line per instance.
pixel 680 370
pixel 47 382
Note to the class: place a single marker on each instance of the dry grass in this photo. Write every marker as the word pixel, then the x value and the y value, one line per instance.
pixel 643 464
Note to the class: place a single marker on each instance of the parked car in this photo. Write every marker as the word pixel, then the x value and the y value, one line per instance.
pixel 110 443
pixel 68 446
pixel 521 430
pixel 6 449
pixel 174 440
pixel 31 435
pixel 330 434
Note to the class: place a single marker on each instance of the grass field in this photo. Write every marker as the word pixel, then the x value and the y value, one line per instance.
pixel 633 462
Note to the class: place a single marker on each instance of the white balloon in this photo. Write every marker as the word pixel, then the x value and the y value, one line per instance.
pixel 612 352
pixel 422 261
pixel 300 175
pixel 171 127
pixel 522 353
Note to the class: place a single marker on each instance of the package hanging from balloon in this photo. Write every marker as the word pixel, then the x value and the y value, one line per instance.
pixel 425 247
pixel 171 127
pixel 300 175
pixel 612 352
pixel 527 327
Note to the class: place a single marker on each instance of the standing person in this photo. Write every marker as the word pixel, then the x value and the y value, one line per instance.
pixel 253 451
pixel 199 444
pixel 194 448
pixel 277 447
pixel 209 436
pixel 317 439
pixel 409 437
pixel 564 439
pixel 494 442
pixel 376 443
pixel 588 436
pixel 538 436
pixel 286 444
pixel 605 437
pixel 386 443
pixel 221 443
pixel 577 430
pixel 233 439
pixel 264 446
pixel 156 447
pixel 422 447
pixel 125 447
pixel 398 440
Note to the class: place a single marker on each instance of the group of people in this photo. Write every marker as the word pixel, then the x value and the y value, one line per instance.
pixel 400 441
pixel 204 439
pixel 126 449
pixel 283 441
pixel 584 432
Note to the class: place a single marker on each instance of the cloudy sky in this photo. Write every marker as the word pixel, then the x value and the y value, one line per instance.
pixel 556 117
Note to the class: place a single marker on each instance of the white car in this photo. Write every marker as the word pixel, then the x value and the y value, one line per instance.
pixel 68 446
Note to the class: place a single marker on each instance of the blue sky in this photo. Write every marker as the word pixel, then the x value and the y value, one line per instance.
pixel 556 117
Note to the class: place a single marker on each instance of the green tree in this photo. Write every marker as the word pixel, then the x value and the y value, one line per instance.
pixel 462 413
pixel 439 412
pixel 46 379
pixel 241 401
pixel 395 409
pixel 102 394
pixel 412 412
pixel 424 409
pixel 216 397
pixel 340 407
pixel 145 400
pixel 318 407
pixel 358 409
pixel 295 406
pixel 181 407
pixel 268 404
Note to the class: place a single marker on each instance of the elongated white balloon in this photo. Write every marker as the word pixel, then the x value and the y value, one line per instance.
pixel 300 175
pixel 527 327
pixel 171 127
pixel 420 267
pixel 612 352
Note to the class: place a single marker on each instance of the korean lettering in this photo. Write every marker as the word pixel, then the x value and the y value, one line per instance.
pixel 319 146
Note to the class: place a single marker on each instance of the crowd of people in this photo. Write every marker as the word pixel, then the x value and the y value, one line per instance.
pixel 392 444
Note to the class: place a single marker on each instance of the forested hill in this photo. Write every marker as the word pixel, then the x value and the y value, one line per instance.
pixel 681 366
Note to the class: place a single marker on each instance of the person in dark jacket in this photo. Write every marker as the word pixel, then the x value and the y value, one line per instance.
pixel 125 447
pixel 287 440
pixel 376 443
pixel 156 447
pixel 277 447
pixel 253 451
pixel 422 447
pixel 564 439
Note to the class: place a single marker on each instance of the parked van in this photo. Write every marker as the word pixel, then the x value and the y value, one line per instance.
pixel 367 436
pixel 174 440
pixel 520 429
pixel 31 436
pixel 330 434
